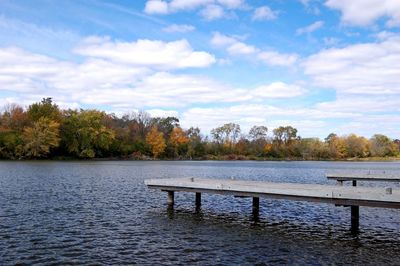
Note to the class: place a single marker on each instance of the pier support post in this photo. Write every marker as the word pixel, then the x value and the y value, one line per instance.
pixel 170 199
pixel 355 219
pixel 198 200
pixel 256 209
pixel 256 205
pixel 355 215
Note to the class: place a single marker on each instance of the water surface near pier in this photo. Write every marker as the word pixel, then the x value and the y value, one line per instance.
pixel 101 212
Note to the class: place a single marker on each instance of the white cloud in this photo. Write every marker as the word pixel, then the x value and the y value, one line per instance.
pixel 159 54
pixel 188 4
pixel 311 6
pixel 162 113
pixel 239 48
pixel 367 69
pixel 181 28
pixel 235 47
pixel 210 9
pixel 274 58
pixel 366 12
pixel 278 90
pixel 212 12
pixel 102 82
pixel 368 125
pixel 264 13
pixel 361 104
pixel 156 7
pixel 119 86
pixel 310 28
pixel 232 3
pixel 221 40
pixel 384 35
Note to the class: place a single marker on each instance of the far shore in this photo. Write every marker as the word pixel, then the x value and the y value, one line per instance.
pixel 221 158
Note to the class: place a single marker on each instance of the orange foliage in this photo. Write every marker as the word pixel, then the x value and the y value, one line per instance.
pixel 156 140
pixel 178 137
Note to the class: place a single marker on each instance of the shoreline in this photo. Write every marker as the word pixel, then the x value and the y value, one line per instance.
pixel 372 159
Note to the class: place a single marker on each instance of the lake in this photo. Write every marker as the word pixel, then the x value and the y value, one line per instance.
pixel 102 213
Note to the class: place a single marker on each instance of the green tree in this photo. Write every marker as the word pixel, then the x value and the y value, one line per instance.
pixel 11 145
pixel 284 138
pixel 84 133
pixel 258 137
pixel 258 133
pixel 165 125
pixel 46 109
pixel 285 134
pixel 41 138
pixel 227 135
pixel 195 146
pixel 312 148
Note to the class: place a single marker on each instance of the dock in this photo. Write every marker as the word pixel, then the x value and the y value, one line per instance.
pixel 338 195
pixel 364 177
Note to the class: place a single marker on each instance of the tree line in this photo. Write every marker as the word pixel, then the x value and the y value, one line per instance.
pixel 43 130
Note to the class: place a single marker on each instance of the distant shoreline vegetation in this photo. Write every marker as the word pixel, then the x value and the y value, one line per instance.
pixel 44 131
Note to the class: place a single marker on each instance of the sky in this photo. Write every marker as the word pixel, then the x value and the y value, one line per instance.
pixel 321 66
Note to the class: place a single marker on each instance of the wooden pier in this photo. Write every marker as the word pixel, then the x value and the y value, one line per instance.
pixel 338 195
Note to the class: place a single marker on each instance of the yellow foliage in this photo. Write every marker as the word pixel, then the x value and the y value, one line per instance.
pixel 267 148
pixel 178 137
pixel 41 137
pixel 156 140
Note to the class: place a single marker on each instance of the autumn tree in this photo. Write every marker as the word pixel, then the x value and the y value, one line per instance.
pixel 156 140
pixel 178 138
pixel 12 122
pixel 13 118
pixel 41 137
pixel 357 146
pixel 382 145
pixel 336 146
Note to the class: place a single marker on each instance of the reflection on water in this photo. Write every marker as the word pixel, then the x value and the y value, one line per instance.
pixel 101 212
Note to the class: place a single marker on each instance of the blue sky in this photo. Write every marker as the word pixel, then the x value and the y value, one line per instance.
pixel 321 66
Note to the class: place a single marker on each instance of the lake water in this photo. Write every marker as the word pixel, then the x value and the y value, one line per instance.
pixel 102 213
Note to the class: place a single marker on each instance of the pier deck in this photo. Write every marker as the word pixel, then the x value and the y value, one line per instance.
pixel 338 195
pixel 360 196
pixel 364 177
